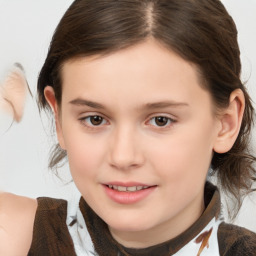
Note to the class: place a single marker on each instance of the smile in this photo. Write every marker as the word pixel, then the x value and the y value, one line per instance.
pixel 128 193
pixel 127 189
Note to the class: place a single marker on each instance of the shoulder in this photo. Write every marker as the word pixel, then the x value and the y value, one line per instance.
pixel 234 240
pixel 51 204
pixel 51 234
pixel 17 215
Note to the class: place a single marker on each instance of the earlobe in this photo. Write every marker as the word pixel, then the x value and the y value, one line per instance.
pixel 51 100
pixel 231 119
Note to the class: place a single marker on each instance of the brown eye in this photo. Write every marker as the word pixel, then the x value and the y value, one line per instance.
pixel 160 121
pixel 96 120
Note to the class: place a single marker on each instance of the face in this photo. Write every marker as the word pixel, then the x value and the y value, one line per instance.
pixel 139 132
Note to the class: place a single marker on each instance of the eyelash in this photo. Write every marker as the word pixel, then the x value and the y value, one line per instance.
pixel 87 121
pixel 167 119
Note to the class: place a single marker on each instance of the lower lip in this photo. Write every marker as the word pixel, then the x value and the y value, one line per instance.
pixel 128 197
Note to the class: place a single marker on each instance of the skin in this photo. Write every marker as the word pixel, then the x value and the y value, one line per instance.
pixel 13 93
pixel 130 146
pixel 17 216
pixel 128 90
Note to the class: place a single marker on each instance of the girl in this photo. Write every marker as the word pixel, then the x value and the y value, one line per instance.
pixel 147 98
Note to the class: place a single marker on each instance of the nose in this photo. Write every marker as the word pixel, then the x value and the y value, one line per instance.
pixel 125 152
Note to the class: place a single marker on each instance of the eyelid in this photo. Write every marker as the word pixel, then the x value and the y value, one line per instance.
pixel 91 114
pixel 168 116
pixel 86 114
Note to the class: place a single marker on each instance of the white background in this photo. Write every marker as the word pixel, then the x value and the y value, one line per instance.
pixel 26 27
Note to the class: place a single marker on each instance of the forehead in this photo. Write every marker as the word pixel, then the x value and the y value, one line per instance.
pixel 144 69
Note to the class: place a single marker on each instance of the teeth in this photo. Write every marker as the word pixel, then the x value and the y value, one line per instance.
pixel 120 188
pixel 130 189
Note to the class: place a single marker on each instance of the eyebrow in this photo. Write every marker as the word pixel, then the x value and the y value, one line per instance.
pixel 165 104
pixel 83 102
pixel 154 105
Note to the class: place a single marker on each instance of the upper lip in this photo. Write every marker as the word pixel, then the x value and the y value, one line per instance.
pixel 127 184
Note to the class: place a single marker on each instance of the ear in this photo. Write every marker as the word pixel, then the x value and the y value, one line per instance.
pixel 230 119
pixel 13 92
pixel 50 98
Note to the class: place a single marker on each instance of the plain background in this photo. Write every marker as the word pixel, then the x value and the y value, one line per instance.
pixel 26 27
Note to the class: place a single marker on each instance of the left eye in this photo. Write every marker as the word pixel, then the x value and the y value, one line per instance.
pixel 160 121
pixel 94 120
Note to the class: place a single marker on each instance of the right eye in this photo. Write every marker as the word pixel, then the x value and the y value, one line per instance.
pixel 93 120
pixel 160 121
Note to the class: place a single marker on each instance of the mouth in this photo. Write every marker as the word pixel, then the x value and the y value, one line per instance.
pixel 128 189
pixel 128 193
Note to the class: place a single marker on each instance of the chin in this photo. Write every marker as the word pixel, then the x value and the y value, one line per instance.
pixel 131 225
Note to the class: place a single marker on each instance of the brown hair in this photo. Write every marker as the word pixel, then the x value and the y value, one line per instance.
pixel 201 32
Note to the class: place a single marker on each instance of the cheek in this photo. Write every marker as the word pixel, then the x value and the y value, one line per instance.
pixel 185 154
pixel 85 154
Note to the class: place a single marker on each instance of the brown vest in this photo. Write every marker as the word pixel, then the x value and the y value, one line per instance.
pixel 51 236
